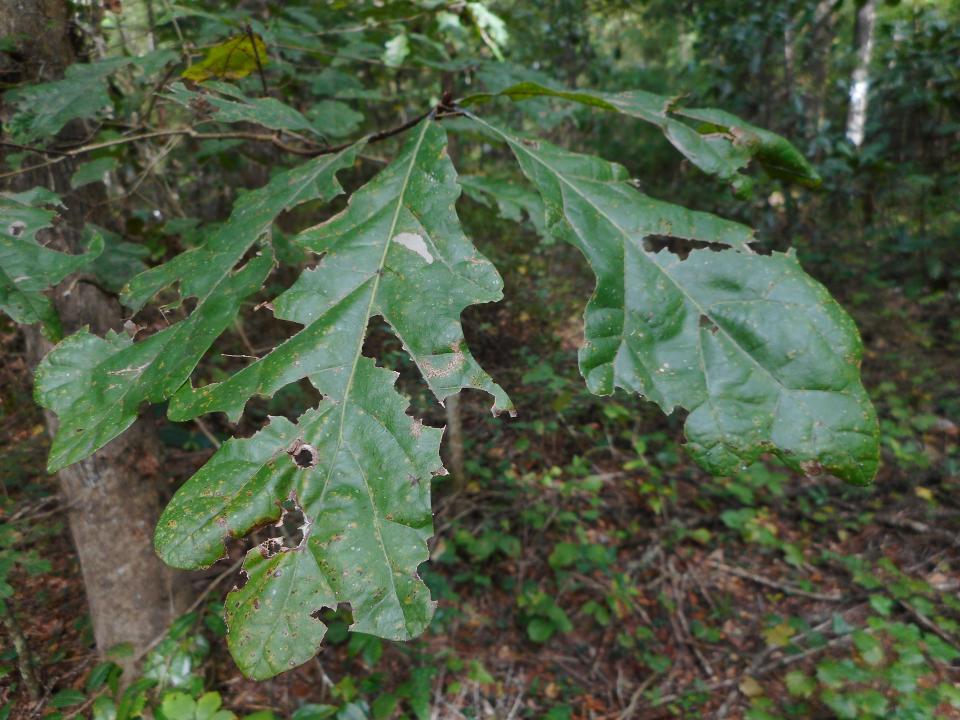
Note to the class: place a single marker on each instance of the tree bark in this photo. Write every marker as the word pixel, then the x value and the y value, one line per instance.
pixel 860 80
pixel 114 496
pixel 789 59
pixel 820 42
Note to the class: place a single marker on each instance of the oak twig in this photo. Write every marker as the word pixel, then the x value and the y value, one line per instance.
pixel 256 57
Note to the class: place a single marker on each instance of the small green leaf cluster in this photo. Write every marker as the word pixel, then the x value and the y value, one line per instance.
pixel 892 672
pixel 540 614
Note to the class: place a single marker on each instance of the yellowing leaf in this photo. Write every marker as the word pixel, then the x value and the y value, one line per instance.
pixel 778 635
pixel 233 59
pixel 750 687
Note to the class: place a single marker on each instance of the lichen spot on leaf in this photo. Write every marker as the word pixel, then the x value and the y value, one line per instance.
pixel 414 243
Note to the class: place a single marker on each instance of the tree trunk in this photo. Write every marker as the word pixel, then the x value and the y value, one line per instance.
pixel 860 80
pixel 114 496
pixel 820 43
pixel 789 60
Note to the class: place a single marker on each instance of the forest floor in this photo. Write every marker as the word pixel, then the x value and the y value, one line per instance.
pixel 585 568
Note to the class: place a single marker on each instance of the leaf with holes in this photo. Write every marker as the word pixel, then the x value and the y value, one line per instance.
pixel 397 251
pixel 358 466
pixel 722 145
pixel 758 352
pixel 27 268
pixel 124 376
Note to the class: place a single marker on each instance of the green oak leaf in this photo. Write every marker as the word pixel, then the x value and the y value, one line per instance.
pixel 334 118
pixel 358 466
pixel 366 504
pixel 125 376
pixel 42 110
pixel 513 199
pixel 231 106
pixel 92 171
pixel 28 268
pixel 120 260
pixel 757 351
pixel 775 153
pixel 22 215
pixel 722 146
pixel 397 251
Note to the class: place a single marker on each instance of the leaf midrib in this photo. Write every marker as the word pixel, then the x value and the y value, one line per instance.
pixel 197 309
pixel 348 387
pixel 782 388
pixel 513 143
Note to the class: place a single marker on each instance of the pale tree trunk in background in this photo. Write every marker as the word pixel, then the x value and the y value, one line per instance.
pixel 114 496
pixel 860 81
pixel 789 59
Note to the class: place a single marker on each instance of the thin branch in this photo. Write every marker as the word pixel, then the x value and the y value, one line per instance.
pixel 785 587
pixel 919 528
pixel 155 93
pixel 87 703
pixel 237 135
pixel 256 57
pixel 207 433
pixel 929 624
pixel 382 135
pixel 176 27
pixel 631 710
pixel 172 143
pixel 31 148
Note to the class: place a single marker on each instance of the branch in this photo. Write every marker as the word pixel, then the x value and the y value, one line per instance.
pixel 378 136
pixel 919 528
pixel 256 57
pixel 788 588
pixel 155 93
pixel 31 148
pixel 191 132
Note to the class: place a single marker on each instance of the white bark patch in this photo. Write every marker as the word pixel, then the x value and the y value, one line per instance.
pixel 414 242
